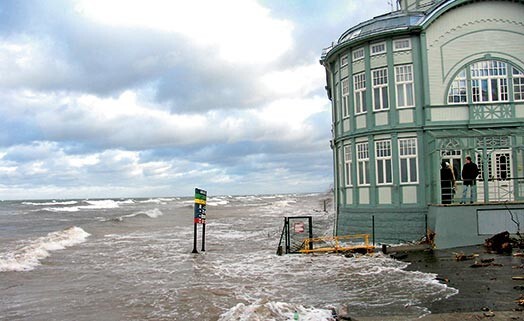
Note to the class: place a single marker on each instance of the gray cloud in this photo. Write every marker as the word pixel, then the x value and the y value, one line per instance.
pixel 89 109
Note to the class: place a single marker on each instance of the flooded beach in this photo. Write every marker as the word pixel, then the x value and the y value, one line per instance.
pixel 130 259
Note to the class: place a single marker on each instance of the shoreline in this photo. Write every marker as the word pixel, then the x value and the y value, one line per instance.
pixel 488 287
pixel 486 292
pixel 453 316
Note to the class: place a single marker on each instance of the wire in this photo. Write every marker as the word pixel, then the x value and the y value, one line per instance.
pixel 516 221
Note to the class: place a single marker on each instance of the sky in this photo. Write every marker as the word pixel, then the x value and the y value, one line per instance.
pixel 129 98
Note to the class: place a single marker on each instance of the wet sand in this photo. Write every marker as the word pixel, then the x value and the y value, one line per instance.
pixel 457 316
pixel 488 288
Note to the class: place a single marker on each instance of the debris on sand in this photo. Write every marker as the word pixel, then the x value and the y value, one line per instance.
pixel 499 243
pixel 464 257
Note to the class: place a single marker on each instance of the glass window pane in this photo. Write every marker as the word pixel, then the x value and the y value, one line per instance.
pixel 494 90
pixel 366 173
pixel 389 177
pixel 484 83
pixel 360 173
pixel 376 94
pixel 348 174
pixel 403 170
pixel 413 169
pixel 380 171
pixel 400 96
pixel 409 95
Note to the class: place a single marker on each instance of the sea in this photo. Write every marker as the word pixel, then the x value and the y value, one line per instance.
pixel 131 259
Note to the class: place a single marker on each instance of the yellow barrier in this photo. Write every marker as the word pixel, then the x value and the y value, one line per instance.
pixel 336 246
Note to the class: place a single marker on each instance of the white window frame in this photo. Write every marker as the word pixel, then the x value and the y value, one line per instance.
pixel 359 91
pixel 485 75
pixel 408 154
pixel 400 44
pixel 343 61
pixel 345 97
pixel 378 48
pixel 363 164
pixel 404 81
pixel 518 85
pixel 384 162
pixel 358 54
pixel 348 162
pixel 380 86
pixel 458 91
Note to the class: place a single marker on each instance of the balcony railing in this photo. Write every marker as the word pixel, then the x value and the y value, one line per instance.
pixel 494 190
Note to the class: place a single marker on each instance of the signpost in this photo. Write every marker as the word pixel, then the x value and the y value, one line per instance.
pixel 200 217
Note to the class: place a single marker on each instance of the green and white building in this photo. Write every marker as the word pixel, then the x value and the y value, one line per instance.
pixel 434 80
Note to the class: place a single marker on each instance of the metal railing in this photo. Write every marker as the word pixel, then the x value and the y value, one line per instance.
pixel 357 242
pixel 493 190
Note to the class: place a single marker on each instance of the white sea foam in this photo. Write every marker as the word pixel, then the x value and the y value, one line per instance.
pixel 154 213
pixel 216 201
pixel 128 201
pixel 100 204
pixel 152 200
pixel 162 199
pixel 92 205
pixel 62 209
pixel 28 256
pixel 290 276
pixel 50 203
pixel 274 311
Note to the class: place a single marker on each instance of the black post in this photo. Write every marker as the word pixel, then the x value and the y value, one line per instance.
pixel 426 226
pixel 373 228
pixel 310 223
pixel 288 241
pixel 195 240
pixel 203 237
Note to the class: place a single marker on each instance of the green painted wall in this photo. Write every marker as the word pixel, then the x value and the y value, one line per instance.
pixel 391 226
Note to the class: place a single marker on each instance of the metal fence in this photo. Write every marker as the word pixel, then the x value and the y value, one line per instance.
pixel 494 190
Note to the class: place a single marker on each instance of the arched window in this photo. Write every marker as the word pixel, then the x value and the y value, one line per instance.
pixel 487 81
pixel 518 85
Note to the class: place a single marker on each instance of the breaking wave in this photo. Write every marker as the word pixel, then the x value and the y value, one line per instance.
pixel 91 205
pixel 158 200
pixel 154 213
pixel 50 203
pixel 27 257
pixel 274 311
pixel 217 201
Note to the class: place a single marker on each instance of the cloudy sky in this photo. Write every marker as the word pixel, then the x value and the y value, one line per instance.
pixel 103 98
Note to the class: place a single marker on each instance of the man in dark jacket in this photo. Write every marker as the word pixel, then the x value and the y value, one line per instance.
pixel 470 172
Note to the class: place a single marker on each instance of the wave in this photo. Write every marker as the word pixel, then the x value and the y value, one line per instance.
pixel 92 205
pixel 154 213
pixel 277 311
pixel 100 204
pixel 217 201
pixel 152 200
pixel 128 201
pixel 28 257
pixel 50 203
